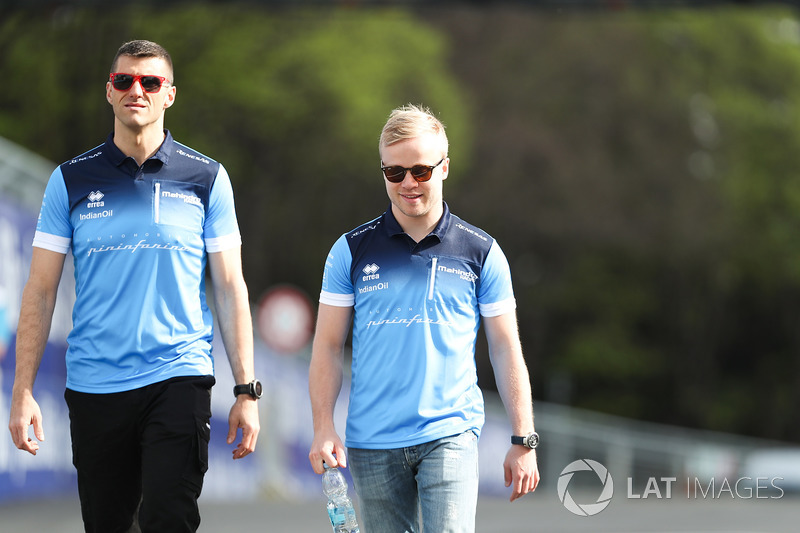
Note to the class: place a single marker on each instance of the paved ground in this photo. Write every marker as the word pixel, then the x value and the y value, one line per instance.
pixel 541 512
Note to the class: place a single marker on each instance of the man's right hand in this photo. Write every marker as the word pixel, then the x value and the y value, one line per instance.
pixel 328 449
pixel 25 412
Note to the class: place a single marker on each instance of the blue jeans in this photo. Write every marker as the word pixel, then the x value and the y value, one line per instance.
pixel 436 481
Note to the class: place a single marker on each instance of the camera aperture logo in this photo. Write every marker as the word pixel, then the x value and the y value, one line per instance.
pixel 586 509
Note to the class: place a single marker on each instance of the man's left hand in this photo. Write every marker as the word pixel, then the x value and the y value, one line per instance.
pixel 244 415
pixel 521 471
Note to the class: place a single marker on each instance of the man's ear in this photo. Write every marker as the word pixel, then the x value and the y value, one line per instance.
pixel 170 99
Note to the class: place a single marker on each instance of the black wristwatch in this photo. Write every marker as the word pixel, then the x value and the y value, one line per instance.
pixel 254 389
pixel 530 441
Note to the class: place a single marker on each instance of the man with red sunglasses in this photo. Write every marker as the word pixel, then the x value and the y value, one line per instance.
pixel 417 282
pixel 142 215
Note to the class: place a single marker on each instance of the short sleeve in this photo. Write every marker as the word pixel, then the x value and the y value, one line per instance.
pixel 337 287
pixel 496 294
pixel 54 228
pixel 221 229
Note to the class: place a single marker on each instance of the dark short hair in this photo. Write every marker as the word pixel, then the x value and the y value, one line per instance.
pixel 141 48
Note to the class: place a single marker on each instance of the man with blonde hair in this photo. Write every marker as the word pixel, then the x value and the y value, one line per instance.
pixel 417 282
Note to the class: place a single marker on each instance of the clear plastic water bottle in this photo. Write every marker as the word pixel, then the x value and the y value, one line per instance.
pixel 340 506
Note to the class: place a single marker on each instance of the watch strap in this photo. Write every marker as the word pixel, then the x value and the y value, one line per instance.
pixel 241 389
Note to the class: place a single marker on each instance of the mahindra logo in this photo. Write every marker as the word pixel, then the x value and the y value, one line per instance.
pixel 95 196
pixel 371 269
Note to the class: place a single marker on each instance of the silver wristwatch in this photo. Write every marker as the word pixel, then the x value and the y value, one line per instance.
pixel 530 441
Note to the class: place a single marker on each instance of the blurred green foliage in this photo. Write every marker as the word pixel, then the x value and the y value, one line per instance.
pixel 639 169
pixel 291 102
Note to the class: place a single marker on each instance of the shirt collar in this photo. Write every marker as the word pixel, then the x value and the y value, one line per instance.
pixel 163 153
pixel 393 226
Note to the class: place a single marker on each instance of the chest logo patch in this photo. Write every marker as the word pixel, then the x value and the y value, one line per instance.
pixel 95 199
pixel 371 272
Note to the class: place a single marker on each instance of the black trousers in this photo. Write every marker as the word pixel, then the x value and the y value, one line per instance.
pixel 141 455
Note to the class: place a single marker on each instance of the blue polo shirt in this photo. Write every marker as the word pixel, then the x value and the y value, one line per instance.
pixel 139 238
pixel 417 309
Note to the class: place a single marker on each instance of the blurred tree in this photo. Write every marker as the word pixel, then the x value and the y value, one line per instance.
pixel 291 102
pixel 638 168
pixel 640 171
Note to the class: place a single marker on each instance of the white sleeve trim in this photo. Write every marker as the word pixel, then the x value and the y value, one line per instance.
pixel 337 300
pixel 51 242
pixel 218 244
pixel 498 308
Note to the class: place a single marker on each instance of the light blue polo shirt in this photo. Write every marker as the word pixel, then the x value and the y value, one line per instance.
pixel 417 309
pixel 139 238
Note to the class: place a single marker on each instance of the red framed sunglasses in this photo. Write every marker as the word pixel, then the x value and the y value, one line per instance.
pixel 123 82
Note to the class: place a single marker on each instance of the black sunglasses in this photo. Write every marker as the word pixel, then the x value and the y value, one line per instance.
pixel 396 173
pixel 150 83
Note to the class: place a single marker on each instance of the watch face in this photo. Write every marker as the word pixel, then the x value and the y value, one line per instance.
pixel 258 388
pixel 532 440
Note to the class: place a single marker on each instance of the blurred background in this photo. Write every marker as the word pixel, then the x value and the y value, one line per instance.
pixel 637 161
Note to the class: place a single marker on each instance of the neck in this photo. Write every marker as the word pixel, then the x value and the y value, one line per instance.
pixel 139 144
pixel 418 227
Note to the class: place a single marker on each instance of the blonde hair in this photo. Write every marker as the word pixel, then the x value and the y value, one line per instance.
pixel 411 121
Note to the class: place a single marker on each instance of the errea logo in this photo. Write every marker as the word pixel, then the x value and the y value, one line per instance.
pixel 371 272
pixel 95 199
